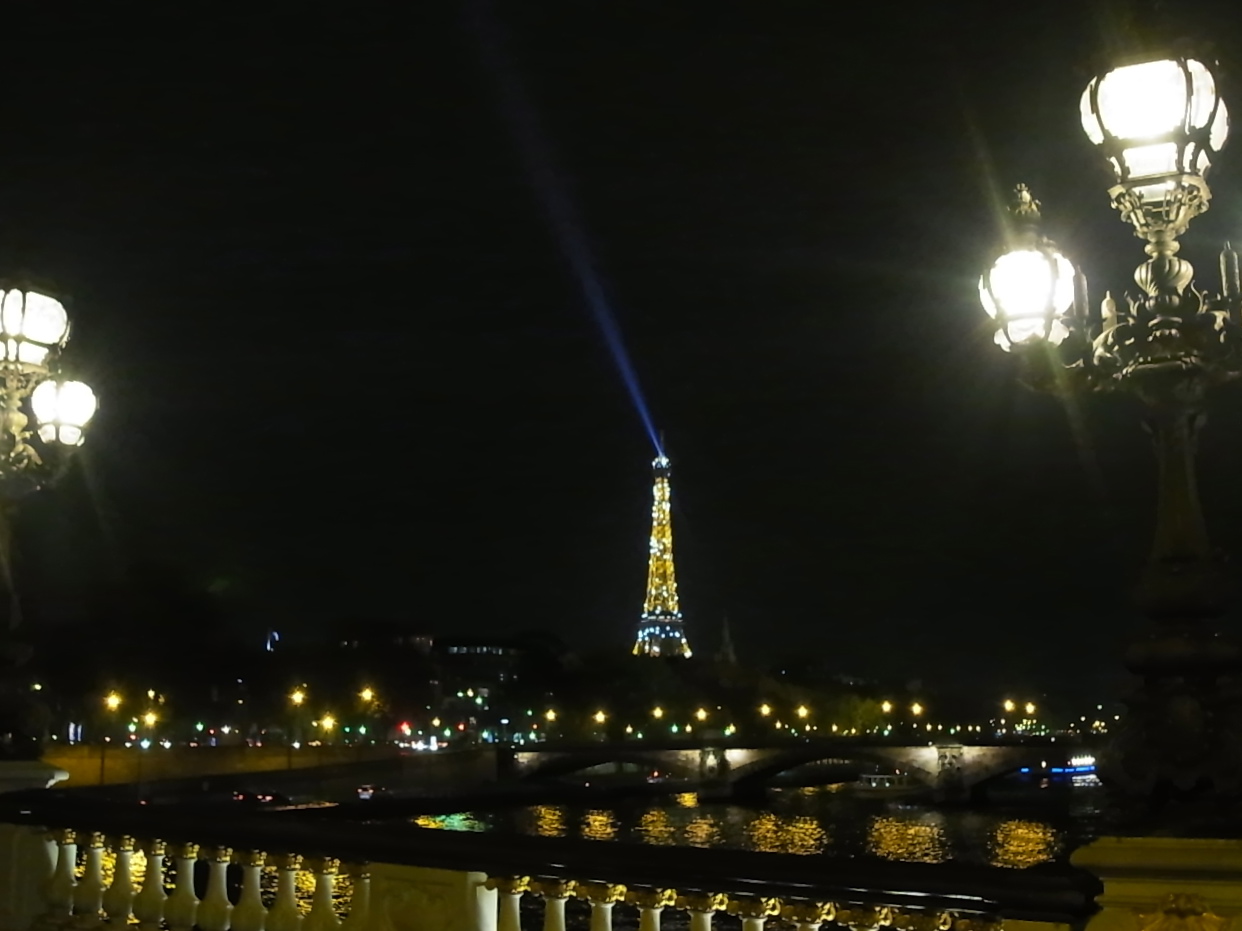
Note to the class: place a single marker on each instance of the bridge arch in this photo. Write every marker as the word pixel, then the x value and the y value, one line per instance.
pixel 754 775
pixel 543 765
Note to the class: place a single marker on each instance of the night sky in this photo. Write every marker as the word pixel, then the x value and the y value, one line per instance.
pixel 322 266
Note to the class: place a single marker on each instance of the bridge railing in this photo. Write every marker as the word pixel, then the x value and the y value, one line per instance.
pixel 70 864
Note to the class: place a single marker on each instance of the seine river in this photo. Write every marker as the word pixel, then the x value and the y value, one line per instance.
pixel 1037 828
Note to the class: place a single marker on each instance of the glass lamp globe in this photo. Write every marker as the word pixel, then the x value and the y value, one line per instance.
pixel 1028 292
pixel 31 325
pixel 63 409
pixel 1155 120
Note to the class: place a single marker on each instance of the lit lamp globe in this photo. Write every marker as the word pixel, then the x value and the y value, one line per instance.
pixel 1028 293
pixel 1156 122
pixel 31 326
pixel 63 409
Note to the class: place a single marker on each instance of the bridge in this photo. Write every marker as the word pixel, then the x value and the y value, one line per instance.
pixel 950 770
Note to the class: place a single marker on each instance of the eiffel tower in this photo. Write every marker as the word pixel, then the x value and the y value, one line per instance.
pixel 660 630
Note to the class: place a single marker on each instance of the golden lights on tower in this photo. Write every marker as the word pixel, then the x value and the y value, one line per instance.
pixel 660 630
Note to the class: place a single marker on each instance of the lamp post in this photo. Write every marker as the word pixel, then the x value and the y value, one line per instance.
pixel 296 699
pixel 112 702
pixel 1159 123
pixel 34 328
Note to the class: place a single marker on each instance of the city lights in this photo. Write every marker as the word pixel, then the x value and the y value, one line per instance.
pixel 701 714
pixel 657 712
pixel 367 695
pixel 765 710
pixel 802 711
pixel 916 709
pixel 1030 707
pixel 1010 706
pixel 886 706
pixel 600 717
pixel 112 701
pixel 149 719
pixel 297 696
pixel 328 722
pixel 549 715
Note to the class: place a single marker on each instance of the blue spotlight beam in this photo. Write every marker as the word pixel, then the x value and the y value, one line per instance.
pixel 537 161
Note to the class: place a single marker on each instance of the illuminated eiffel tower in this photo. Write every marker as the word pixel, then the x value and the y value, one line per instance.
pixel 660 631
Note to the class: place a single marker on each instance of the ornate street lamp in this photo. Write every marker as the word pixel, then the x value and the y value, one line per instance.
pixel 34 328
pixel 1159 123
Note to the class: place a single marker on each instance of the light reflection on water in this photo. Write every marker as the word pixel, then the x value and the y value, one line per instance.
pixel 810 821
pixel 1019 843
pixel 912 840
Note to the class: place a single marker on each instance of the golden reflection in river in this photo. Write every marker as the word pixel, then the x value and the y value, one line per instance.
pixel 654 827
pixel 703 831
pixel 687 799
pixel 599 825
pixel 549 820
pixel 771 834
pixel 919 841
pixel 1019 844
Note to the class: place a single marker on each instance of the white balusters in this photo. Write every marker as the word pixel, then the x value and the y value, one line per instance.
pixel 215 910
pixel 181 908
pixel 554 892
pixel 754 910
pixel 702 907
pixel 284 914
pixel 509 890
pixel 602 896
pixel 322 916
pixel 249 913
pixel 119 897
pixel 809 916
pixel 360 902
pixel 651 904
pixel 60 887
pixel 149 902
pixel 88 894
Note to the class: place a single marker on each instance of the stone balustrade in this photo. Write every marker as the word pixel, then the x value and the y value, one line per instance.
pixel 77 867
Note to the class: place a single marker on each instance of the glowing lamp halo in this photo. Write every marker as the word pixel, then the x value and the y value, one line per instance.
pixel 1157 119
pixel 1029 293
pixel 63 409
pixel 33 326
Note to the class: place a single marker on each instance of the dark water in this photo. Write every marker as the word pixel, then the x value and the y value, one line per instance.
pixel 1024 831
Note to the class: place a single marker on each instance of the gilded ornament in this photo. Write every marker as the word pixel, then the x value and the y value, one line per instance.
pixel 809 912
pixel 652 898
pixel 509 885
pixel 703 902
pixel 600 893
pixel 754 906
pixel 553 888
pixel 1183 912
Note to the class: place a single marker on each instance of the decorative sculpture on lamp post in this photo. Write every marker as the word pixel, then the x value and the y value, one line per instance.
pixel 1159 123
pixel 34 327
